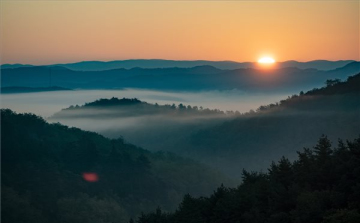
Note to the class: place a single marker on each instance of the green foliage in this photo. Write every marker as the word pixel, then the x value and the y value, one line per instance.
pixel 321 186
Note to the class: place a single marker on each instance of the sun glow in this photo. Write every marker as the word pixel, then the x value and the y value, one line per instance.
pixel 266 60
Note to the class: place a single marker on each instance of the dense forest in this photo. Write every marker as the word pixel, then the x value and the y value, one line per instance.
pixel 321 186
pixel 53 173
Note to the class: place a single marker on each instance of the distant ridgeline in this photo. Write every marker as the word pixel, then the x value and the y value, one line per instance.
pixel 314 99
pixel 114 107
pixel 53 173
pixel 196 78
pixel 321 186
pixel 158 63
pixel 10 90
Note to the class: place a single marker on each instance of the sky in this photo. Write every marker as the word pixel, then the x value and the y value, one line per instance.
pixel 47 32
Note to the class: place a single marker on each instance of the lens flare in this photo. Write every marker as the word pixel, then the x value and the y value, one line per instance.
pixel 90 177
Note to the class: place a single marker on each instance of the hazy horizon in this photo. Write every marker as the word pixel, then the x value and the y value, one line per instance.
pixel 180 60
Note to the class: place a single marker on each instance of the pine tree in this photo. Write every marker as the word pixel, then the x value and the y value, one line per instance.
pixel 323 149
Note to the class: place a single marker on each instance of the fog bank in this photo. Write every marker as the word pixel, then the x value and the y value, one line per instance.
pixel 46 104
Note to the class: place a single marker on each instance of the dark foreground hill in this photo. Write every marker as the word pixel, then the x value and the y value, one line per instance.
pixel 52 173
pixel 321 186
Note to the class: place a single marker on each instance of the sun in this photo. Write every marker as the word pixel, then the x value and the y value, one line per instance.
pixel 266 60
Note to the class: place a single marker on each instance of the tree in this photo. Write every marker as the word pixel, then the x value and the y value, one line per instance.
pixel 282 172
pixel 323 149
pixel 18 209
pixel 332 82
pixel 343 216
pixel 85 209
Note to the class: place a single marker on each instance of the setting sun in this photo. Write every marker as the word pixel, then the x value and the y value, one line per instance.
pixel 266 60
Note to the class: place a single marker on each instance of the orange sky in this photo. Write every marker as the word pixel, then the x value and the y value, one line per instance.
pixel 44 32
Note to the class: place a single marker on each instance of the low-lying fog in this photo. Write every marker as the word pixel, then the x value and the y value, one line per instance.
pixel 226 142
pixel 46 104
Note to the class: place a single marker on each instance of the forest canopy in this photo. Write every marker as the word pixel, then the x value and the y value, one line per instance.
pixel 322 185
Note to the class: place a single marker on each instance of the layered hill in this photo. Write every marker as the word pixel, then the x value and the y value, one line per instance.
pixel 153 126
pixel 124 108
pixel 228 141
pixel 184 79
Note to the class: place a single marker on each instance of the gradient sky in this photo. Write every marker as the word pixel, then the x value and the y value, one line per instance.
pixel 45 32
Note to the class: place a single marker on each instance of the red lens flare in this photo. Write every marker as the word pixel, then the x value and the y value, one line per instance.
pixel 90 177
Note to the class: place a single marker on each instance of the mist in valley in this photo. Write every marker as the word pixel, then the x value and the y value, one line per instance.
pixel 46 104
pixel 218 128
pixel 226 141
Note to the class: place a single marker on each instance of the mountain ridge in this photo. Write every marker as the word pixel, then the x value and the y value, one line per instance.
pixel 187 79
pixel 162 63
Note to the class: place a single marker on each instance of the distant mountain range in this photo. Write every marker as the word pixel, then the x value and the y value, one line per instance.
pixel 182 79
pixel 12 90
pixel 157 63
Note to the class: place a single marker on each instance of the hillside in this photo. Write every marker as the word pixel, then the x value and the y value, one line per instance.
pixel 122 108
pixel 321 186
pixel 152 126
pixel 227 141
pixel 49 169
pixel 256 138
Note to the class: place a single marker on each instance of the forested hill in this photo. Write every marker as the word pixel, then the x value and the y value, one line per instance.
pixel 254 139
pixel 333 95
pixel 125 107
pixel 321 186
pixel 53 173
pixel 336 86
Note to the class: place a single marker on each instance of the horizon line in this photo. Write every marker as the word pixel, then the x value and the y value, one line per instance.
pixel 198 60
